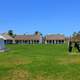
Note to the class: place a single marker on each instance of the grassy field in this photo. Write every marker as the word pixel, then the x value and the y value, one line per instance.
pixel 39 62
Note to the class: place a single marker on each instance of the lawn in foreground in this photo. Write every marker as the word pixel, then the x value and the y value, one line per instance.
pixel 39 62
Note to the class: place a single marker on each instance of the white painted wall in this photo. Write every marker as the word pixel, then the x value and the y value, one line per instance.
pixel 40 39
pixel 2 46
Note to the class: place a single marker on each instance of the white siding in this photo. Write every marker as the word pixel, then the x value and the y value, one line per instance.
pixel 2 44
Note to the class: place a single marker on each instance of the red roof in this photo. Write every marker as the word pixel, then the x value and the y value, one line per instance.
pixel 27 37
pixel 55 37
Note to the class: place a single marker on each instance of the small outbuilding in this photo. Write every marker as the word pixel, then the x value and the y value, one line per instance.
pixel 2 45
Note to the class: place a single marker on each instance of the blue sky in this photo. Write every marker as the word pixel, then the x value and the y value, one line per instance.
pixel 46 16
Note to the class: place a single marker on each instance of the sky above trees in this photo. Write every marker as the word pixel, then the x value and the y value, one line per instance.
pixel 45 16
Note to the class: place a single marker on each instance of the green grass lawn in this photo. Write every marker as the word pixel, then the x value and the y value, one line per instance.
pixel 39 62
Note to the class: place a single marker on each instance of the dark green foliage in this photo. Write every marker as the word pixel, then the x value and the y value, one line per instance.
pixel 10 32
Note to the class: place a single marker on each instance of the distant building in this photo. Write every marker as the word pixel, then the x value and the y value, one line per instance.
pixel 29 39
pixel 35 38
pixel 8 38
pixel 54 39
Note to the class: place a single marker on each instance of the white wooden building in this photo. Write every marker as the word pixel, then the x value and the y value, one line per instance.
pixel 2 45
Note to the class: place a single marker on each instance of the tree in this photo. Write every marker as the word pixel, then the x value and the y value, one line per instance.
pixel 38 33
pixel 78 32
pixel 10 32
pixel 74 34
